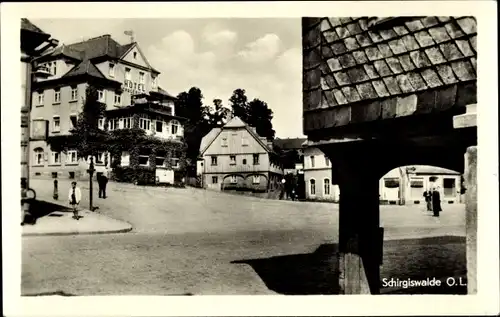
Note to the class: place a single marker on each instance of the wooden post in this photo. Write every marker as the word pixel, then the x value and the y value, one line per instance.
pixel 471 217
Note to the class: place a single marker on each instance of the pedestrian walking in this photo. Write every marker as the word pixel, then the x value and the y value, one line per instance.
pixel 428 199
pixel 102 180
pixel 75 196
pixel 436 202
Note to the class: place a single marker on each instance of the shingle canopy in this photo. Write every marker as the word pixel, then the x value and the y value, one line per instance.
pixel 365 59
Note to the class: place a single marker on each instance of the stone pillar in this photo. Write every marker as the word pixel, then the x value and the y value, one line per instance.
pixel 470 176
pixel 468 120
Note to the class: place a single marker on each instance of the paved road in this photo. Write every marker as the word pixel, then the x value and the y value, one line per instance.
pixel 201 242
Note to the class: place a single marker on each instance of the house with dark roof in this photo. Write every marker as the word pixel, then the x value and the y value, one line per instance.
pixel 127 84
pixel 235 157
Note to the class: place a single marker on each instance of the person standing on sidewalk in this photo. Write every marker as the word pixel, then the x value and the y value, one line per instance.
pixel 75 196
pixel 428 199
pixel 436 201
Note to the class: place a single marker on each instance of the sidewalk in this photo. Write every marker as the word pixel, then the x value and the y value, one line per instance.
pixel 60 223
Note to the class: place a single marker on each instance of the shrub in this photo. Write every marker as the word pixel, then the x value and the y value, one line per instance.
pixel 138 175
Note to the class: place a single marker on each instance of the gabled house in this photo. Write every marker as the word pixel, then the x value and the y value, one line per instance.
pixel 235 157
pixel 127 84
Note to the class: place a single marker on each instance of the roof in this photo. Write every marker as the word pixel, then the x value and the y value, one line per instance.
pixel 369 58
pixel 426 169
pixel 65 50
pixel 235 122
pixel 99 46
pixel 289 143
pixel 85 68
pixel 27 25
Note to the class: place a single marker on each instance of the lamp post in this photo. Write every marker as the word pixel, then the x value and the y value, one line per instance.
pixel 91 171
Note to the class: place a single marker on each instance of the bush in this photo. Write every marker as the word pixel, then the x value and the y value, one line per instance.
pixel 139 175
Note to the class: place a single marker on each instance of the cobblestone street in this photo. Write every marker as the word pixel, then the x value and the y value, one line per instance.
pixel 191 241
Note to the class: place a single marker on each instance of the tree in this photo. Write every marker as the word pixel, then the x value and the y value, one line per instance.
pixel 239 104
pixel 218 116
pixel 260 116
pixel 190 105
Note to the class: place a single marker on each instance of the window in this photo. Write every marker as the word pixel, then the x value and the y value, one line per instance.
pixel 244 161
pixel 160 161
pixel 56 158
pixel 256 179
pixel 135 55
pixel 40 98
pixel 127 123
pixel 128 75
pixel 154 82
pixel 144 123
pixel 71 157
pixel 214 160
pixel 417 187
pixel 118 99
pixel 73 119
pixel 52 67
pixel 175 162
pixel 74 93
pixel 391 182
pixel 175 126
pixel 39 156
pixel 99 159
pixel 141 78
pixel 215 179
pixel 224 142
pixel 244 141
pixel 144 160
pixel 327 161
pixel 312 160
pixel 111 70
pixel 312 187
pixel 57 95
pixel 233 159
pixel 159 126
pixel 326 185
pixel 100 95
pixel 100 123
pixel 56 124
pixel 233 179
pixel 113 124
pixel 256 159
pixel 449 187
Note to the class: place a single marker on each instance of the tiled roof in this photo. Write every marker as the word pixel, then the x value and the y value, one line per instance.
pixel 28 26
pixel 66 51
pixel 289 143
pixel 85 67
pixel 362 61
pixel 99 46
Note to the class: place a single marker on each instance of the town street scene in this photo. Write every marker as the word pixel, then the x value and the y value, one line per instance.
pixel 312 156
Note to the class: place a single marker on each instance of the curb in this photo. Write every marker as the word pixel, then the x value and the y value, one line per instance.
pixel 71 233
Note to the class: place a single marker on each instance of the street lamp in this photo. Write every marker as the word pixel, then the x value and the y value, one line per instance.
pixel 91 171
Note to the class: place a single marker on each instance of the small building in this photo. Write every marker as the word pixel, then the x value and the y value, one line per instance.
pixel 318 176
pixel 235 157
pixel 406 185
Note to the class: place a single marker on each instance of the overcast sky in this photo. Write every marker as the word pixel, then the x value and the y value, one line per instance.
pixel 262 56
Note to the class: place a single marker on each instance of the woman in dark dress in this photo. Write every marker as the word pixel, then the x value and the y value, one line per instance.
pixel 436 202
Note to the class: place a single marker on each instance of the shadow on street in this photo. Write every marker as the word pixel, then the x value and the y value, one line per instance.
pixel 317 273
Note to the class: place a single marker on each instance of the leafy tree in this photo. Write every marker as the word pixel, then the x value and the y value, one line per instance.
pixel 239 104
pixel 190 105
pixel 219 114
pixel 260 117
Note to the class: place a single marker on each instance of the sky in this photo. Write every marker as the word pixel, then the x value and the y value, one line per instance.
pixel 262 56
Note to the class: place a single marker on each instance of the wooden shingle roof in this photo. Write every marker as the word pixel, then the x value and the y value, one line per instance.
pixel 367 58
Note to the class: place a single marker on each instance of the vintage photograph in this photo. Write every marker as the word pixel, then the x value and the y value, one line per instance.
pixel 249 156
